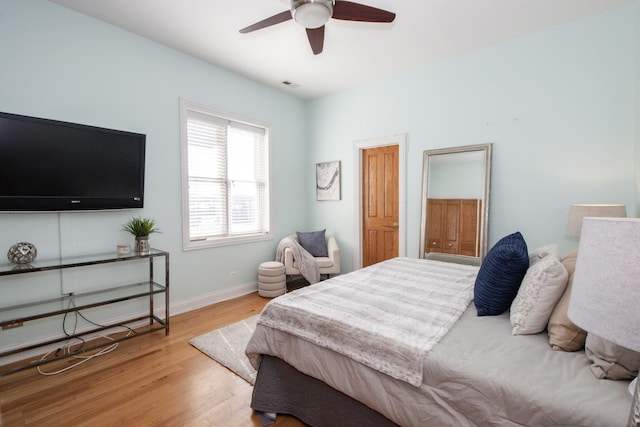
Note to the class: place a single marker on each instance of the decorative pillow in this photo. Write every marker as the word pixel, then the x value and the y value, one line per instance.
pixel 313 242
pixel 500 275
pixel 542 286
pixel 609 360
pixel 564 335
pixel 542 252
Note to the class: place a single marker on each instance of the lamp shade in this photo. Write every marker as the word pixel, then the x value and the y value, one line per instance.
pixel 312 13
pixel 605 298
pixel 578 212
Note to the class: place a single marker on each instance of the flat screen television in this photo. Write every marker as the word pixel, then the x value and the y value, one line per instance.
pixel 49 165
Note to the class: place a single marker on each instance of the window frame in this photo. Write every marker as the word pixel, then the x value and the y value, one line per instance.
pixel 188 244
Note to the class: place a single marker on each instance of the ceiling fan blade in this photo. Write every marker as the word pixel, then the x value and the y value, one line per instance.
pixel 275 19
pixel 316 39
pixel 349 11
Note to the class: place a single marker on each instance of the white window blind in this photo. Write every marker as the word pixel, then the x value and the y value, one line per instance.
pixel 227 177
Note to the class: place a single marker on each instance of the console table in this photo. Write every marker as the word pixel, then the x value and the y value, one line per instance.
pixel 13 316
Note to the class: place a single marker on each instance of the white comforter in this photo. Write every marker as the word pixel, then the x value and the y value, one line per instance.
pixel 387 316
pixel 477 375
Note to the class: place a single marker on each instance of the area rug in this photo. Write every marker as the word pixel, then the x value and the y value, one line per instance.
pixel 226 346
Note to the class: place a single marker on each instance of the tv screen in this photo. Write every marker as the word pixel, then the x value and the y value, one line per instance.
pixel 49 165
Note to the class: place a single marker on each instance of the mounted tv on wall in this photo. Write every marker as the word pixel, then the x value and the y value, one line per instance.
pixel 49 165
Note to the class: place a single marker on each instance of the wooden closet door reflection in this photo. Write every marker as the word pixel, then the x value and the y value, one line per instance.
pixel 452 226
pixel 469 242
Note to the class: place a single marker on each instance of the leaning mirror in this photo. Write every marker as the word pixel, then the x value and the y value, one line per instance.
pixel 455 203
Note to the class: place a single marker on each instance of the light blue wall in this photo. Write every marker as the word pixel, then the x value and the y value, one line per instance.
pixel 559 106
pixel 62 65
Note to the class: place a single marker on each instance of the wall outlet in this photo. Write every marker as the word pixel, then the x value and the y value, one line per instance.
pixel 233 274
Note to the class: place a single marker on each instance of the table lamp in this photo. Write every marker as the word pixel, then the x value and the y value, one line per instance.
pixel 605 299
pixel 578 212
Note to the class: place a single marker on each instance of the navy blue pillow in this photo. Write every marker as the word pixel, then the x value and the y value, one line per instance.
pixel 313 242
pixel 500 275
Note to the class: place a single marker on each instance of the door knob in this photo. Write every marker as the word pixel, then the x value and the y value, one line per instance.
pixel 394 225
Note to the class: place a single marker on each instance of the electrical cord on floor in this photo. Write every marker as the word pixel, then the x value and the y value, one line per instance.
pixel 82 358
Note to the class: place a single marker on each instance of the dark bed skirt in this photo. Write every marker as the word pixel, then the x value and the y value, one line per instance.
pixel 282 389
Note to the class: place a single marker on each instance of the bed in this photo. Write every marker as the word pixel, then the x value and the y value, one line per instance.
pixel 471 372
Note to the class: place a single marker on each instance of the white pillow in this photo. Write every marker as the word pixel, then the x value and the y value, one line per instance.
pixel 541 289
pixel 537 255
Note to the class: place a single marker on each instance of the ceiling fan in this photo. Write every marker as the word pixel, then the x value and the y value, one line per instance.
pixel 313 14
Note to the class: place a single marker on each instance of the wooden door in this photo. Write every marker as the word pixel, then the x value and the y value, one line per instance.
pixel 443 225
pixel 380 204
pixel 451 226
pixel 435 225
pixel 469 242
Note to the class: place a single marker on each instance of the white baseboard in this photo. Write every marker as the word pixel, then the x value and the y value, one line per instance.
pixel 174 309
pixel 213 298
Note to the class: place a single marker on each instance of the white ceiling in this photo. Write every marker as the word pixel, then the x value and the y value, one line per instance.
pixel 354 53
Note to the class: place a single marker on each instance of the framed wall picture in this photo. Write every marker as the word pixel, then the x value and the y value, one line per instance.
pixel 328 181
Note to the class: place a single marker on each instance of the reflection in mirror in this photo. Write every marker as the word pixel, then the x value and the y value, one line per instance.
pixel 455 203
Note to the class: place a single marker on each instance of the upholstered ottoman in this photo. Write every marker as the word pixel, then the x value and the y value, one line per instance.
pixel 271 279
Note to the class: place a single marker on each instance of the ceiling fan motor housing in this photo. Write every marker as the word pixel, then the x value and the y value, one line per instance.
pixel 312 13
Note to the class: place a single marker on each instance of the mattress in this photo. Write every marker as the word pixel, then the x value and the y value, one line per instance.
pixel 478 374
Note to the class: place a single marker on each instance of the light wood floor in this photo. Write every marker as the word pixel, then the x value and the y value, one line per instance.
pixel 149 380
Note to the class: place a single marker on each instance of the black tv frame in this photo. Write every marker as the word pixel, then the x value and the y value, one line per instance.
pixel 49 165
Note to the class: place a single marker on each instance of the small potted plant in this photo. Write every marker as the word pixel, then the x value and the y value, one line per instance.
pixel 141 228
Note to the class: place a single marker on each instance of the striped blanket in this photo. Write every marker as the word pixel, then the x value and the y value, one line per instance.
pixel 387 316
pixel 304 261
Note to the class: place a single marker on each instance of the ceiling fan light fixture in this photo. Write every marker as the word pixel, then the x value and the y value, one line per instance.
pixel 312 13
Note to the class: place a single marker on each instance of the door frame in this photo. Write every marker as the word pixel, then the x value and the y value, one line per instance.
pixel 358 147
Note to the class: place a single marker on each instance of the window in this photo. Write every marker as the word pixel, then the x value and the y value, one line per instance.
pixel 225 174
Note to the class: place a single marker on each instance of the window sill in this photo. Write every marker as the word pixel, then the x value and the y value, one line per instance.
pixel 224 241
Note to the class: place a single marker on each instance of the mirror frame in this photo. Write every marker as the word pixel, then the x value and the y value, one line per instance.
pixel 487 150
